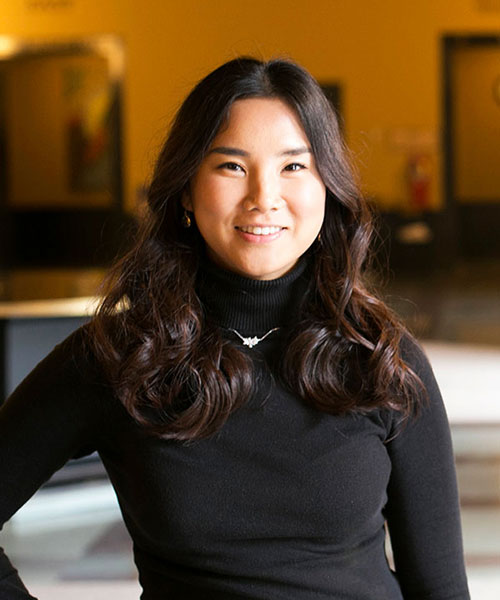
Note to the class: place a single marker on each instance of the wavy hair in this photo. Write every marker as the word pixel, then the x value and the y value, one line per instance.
pixel 171 368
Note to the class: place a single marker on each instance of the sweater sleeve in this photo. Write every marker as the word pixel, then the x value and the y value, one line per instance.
pixel 423 510
pixel 51 417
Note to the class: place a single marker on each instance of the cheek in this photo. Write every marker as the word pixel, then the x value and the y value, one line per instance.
pixel 309 205
pixel 213 200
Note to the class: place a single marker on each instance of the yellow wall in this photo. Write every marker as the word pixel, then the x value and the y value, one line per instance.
pixel 385 53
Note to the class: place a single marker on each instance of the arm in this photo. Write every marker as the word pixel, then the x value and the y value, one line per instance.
pixel 51 417
pixel 11 587
pixel 422 510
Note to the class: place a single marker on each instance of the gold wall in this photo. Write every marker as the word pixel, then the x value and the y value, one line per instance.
pixel 386 54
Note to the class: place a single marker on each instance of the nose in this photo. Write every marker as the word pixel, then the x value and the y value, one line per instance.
pixel 263 193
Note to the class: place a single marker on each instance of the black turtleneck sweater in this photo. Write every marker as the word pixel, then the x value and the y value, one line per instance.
pixel 284 502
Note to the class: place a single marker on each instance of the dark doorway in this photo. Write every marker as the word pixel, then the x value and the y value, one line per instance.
pixel 61 197
pixel 472 144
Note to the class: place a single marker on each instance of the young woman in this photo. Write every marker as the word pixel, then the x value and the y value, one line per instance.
pixel 261 415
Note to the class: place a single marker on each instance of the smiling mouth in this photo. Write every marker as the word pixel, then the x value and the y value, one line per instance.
pixel 271 230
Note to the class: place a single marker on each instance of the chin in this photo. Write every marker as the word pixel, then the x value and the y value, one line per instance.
pixel 265 273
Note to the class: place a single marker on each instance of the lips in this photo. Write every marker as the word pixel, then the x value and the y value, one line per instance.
pixel 260 230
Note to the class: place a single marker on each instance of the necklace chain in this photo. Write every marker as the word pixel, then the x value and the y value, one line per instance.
pixel 253 341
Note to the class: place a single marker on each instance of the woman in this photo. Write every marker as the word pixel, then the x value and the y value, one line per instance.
pixel 260 414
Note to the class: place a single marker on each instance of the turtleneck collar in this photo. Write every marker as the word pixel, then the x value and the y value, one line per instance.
pixel 252 306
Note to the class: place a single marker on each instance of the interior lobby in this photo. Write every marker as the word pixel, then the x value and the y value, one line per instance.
pixel 88 90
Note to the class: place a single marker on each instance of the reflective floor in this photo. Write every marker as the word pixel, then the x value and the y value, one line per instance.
pixel 461 304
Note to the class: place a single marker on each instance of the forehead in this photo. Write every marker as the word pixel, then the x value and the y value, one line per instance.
pixel 261 119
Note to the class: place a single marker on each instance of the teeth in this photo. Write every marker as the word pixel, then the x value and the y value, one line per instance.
pixel 260 230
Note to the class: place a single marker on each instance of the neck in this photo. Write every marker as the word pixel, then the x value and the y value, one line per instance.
pixel 251 306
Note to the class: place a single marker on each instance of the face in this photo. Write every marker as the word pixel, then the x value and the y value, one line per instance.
pixel 257 198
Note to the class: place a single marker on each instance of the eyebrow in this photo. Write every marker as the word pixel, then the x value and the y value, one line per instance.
pixel 229 150
pixel 296 151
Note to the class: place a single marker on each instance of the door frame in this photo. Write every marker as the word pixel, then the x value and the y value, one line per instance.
pixel 477 239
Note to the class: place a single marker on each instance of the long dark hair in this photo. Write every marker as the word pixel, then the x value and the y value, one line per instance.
pixel 170 367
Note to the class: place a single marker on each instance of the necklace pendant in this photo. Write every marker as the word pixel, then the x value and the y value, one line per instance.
pixel 253 341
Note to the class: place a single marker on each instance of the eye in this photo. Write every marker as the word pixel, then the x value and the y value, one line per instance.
pixel 295 167
pixel 231 166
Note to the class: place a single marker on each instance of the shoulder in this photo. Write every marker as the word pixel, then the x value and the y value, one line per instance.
pixel 68 380
pixel 413 354
pixel 426 403
pixel 72 358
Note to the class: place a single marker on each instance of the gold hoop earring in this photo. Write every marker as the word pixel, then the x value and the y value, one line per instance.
pixel 186 220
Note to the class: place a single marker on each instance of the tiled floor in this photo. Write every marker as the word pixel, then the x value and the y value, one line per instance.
pixel 460 305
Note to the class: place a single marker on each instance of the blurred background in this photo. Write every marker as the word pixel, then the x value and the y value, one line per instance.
pixel 87 91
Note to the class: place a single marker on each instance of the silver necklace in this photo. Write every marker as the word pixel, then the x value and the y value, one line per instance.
pixel 253 341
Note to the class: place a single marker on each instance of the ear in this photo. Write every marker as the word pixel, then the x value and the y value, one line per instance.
pixel 186 201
